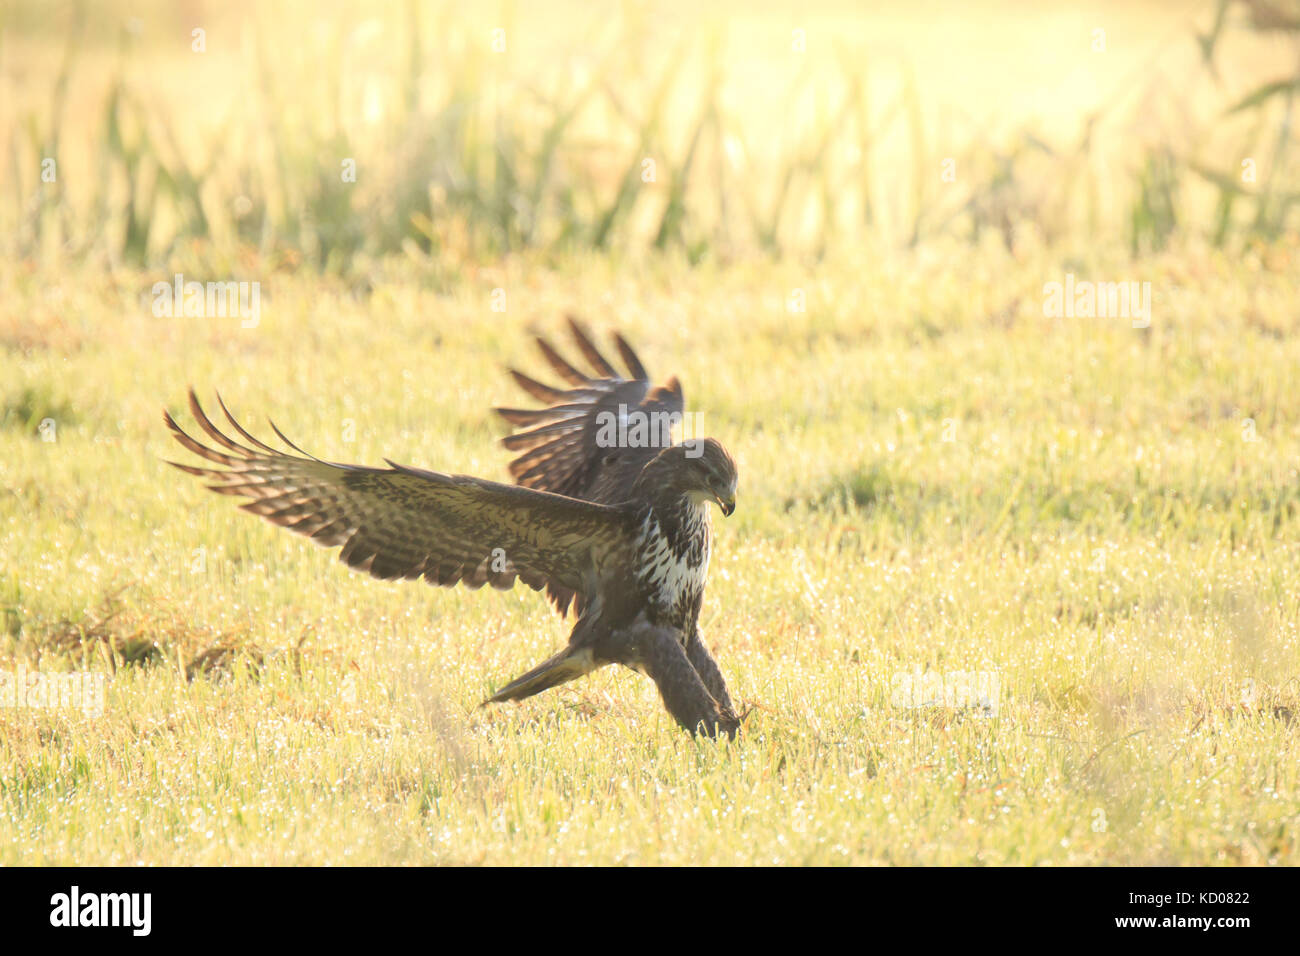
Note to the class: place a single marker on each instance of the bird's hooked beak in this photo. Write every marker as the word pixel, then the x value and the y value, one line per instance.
pixel 727 503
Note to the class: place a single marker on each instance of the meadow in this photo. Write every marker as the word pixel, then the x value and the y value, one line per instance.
pixel 940 475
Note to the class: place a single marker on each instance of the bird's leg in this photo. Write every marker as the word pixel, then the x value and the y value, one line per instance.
pixel 698 654
pixel 661 655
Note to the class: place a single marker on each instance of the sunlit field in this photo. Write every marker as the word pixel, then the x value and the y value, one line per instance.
pixel 946 482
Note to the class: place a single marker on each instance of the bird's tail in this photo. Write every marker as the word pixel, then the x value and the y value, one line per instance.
pixel 565 666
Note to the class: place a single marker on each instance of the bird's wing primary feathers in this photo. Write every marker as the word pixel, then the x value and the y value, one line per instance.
pixel 401 522
pixel 565 448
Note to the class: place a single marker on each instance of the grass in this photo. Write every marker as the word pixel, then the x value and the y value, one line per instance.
pixel 843 253
pixel 1098 534
pixel 451 134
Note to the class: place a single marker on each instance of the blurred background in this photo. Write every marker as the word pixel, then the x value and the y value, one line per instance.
pixel 327 134
pixel 837 223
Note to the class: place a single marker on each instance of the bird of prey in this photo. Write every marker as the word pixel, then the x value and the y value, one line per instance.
pixel 608 514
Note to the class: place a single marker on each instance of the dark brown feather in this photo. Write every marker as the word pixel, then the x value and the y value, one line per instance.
pixel 402 522
pixel 558 445
pixel 589 350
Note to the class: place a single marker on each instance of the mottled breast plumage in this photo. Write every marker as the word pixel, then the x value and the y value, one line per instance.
pixel 673 558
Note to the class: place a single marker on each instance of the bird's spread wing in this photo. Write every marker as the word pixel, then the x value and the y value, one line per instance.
pixel 404 522
pixel 574 445
pixel 594 436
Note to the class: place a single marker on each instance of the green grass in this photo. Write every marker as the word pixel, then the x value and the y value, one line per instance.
pixel 1098 534
pixel 935 477
pixel 411 130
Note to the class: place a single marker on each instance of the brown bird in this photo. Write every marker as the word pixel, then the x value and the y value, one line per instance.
pixel 609 515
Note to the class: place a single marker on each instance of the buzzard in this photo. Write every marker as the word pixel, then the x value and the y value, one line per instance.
pixel 608 514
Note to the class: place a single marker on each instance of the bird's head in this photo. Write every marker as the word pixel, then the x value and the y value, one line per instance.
pixel 701 469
